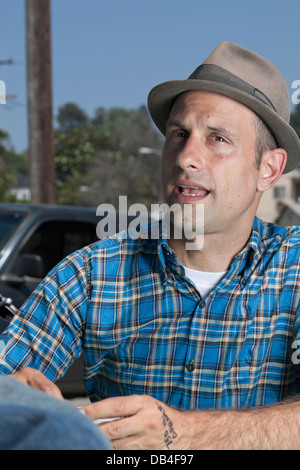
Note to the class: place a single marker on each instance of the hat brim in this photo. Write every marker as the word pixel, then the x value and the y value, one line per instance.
pixel 161 99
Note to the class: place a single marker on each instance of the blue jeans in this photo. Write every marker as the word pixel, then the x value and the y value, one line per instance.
pixel 33 420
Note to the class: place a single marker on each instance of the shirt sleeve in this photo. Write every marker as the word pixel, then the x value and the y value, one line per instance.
pixel 47 332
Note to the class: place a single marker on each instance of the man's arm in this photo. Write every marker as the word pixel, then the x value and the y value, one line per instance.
pixel 149 424
pixel 46 333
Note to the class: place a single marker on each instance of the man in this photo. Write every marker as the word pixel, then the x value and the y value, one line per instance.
pixel 193 348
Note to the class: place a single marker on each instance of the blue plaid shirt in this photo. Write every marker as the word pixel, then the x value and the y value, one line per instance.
pixel 145 329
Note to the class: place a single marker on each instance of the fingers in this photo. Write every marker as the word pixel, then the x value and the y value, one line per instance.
pixel 125 432
pixel 115 407
pixel 34 378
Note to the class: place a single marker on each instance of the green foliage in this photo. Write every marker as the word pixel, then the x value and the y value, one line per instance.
pixel 101 161
pixel 75 149
pixel 13 167
pixel 70 115
pixel 97 158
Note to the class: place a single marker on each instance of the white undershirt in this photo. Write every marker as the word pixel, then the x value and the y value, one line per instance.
pixel 204 281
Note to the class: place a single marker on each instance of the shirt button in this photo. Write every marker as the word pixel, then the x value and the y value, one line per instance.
pixel 190 367
pixel 202 304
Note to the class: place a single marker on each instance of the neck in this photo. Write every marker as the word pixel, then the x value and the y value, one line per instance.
pixel 215 254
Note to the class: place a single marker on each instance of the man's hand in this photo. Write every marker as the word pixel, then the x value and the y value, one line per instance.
pixel 145 423
pixel 34 378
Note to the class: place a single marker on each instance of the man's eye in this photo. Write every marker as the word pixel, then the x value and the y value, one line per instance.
pixel 219 138
pixel 179 134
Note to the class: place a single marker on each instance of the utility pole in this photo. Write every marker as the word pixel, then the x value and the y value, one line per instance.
pixel 39 90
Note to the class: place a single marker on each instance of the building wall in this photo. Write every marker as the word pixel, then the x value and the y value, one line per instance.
pixel 283 190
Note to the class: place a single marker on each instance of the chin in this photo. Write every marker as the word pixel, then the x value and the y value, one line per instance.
pixel 188 221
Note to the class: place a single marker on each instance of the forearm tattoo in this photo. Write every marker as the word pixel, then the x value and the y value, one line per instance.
pixel 169 433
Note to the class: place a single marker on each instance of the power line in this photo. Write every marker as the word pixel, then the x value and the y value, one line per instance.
pixel 6 62
pixel 11 97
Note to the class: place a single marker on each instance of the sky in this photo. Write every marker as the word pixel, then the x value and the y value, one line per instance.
pixel 110 53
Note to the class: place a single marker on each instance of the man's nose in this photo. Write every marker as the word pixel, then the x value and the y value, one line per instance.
pixel 191 155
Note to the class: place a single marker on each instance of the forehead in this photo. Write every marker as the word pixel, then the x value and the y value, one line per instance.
pixel 212 105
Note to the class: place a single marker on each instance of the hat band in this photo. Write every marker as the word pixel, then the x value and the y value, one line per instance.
pixel 215 73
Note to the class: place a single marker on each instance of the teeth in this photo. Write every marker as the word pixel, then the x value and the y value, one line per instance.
pixel 187 190
pixel 190 187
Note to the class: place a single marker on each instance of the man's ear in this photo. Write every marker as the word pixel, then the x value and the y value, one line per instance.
pixel 271 168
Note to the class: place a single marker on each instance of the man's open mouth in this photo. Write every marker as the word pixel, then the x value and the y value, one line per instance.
pixel 192 191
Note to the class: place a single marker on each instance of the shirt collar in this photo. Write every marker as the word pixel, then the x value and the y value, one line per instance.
pixel 264 237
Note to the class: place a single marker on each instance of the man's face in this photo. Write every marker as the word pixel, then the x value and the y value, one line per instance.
pixel 209 159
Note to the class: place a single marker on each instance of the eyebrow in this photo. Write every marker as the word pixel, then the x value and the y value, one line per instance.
pixel 173 123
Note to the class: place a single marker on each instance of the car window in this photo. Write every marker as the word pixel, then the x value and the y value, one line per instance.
pixel 54 240
pixel 9 221
pixel 76 235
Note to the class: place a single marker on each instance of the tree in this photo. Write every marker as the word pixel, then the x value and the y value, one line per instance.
pixel 98 161
pixel 99 118
pixel 75 151
pixel 113 175
pixel 13 166
pixel 69 116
